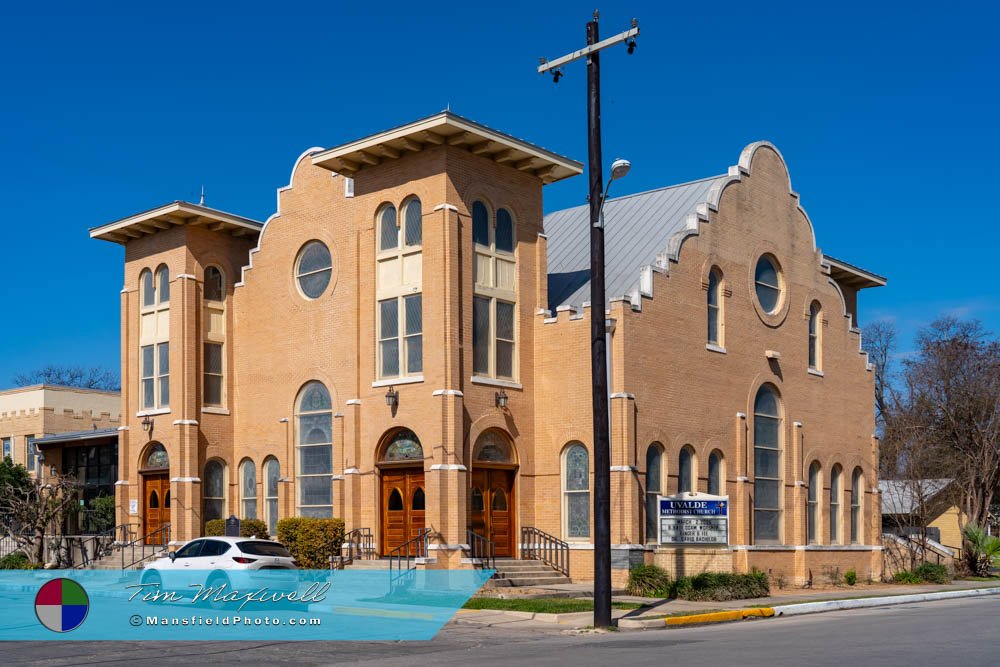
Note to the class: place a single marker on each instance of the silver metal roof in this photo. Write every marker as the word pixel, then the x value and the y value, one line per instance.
pixel 904 496
pixel 638 229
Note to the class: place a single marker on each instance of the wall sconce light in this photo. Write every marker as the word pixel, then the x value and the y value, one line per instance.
pixel 147 424
pixel 392 397
pixel 52 471
pixel 501 399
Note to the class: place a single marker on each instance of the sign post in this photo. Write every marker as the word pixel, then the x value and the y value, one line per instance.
pixel 693 519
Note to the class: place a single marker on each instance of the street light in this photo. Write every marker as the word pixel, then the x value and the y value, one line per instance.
pixel 619 169
pixel 598 323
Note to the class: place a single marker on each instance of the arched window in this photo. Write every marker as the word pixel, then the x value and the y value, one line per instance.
pixel 715 324
pixel 815 349
pixel 272 475
pixel 576 492
pixel 857 495
pixel 812 503
pixel 494 320
pixel 835 491
pixel 156 458
pixel 492 447
pixel 767 284
pixel 213 376
pixel 154 339
pixel 499 500
pixel 404 446
pixel 419 500
pixel 248 489
pixel 314 444
pixel 154 500
pixel 715 474
pixel 654 488
pixel 214 489
pixel 399 301
pixel 313 269
pixel 685 470
pixel 395 501
pixel 767 466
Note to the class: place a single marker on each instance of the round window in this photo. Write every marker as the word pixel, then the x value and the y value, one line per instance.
pixel 314 269
pixel 767 284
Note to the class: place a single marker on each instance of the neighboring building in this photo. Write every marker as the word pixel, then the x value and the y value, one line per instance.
pixel 405 344
pixel 91 458
pixel 910 505
pixel 30 413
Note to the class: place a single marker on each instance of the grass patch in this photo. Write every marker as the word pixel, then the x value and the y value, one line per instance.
pixel 542 605
pixel 980 578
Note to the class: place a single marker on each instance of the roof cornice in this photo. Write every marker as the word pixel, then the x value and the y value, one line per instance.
pixel 171 215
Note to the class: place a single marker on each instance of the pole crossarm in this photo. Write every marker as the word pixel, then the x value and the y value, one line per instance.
pixel 582 53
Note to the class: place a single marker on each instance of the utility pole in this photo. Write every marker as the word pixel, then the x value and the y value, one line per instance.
pixel 598 323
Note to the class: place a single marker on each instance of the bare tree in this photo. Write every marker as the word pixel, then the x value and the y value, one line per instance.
pixel 33 511
pixel 96 377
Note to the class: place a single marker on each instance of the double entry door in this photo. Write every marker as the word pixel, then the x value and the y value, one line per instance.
pixel 403 502
pixel 156 506
pixel 492 508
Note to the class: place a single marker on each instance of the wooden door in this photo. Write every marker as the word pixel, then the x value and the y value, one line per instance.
pixel 156 506
pixel 492 508
pixel 403 503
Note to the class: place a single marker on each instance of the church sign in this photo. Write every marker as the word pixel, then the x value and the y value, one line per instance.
pixel 694 519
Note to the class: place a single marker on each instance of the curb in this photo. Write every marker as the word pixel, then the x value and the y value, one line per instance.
pixel 861 603
pixel 696 619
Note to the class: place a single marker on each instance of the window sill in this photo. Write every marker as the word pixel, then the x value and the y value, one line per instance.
pixel 406 379
pixel 715 348
pixel 150 413
pixel 494 382
pixel 215 410
pixel 813 371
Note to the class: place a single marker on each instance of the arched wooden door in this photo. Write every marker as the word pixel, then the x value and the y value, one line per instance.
pixel 403 502
pixel 492 508
pixel 156 506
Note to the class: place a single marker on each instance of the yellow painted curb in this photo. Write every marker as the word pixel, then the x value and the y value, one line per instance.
pixel 721 616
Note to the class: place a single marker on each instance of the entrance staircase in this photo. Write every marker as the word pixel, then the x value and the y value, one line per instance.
pixel 525 574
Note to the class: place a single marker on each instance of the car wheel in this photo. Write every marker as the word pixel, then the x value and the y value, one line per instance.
pixel 153 584
pixel 215 580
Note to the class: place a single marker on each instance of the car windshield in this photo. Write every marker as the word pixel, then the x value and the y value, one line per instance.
pixel 264 549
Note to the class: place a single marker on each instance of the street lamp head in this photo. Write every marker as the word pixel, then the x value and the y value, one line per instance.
pixel 620 169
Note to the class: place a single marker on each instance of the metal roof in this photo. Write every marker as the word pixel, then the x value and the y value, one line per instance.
pixel 638 229
pixel 75 437
pixel 903 496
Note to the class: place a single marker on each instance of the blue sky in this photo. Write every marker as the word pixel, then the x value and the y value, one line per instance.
pixel 887 114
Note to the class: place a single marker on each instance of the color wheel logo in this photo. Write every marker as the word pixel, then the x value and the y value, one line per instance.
pixel 61 605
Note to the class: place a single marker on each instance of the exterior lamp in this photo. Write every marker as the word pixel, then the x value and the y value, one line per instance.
pixel 392 397
pixel 147 424
pixel 619 169
pixel 501 399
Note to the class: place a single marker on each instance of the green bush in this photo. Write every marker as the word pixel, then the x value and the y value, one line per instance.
pixel 933 573
pixel 721 586
pixel 311 541
pixel 648 581
pixel 851 577
pixel 16 560
pixel 982 551
pixel 248 528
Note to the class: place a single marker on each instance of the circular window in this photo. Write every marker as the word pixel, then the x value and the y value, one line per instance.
pixel 767 284
pixel 314 269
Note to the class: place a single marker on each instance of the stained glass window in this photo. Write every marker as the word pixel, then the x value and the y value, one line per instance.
pixel 157 457
pixel 654 477
pixel 315 451
pixel 767 284
pixel 576 491
pixel 314 269
pixel 767 466
pixel 404 447
pixel 249 489
pixel 715 474
pixel 214 488
pixel 272 473
pixel 685 471
pixel 492 448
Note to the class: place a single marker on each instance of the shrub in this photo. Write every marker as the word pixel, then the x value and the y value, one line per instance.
pixel 851 577
pixel 933 573
pixel 16 560
pixel 248 528
pixel 648 581
pixel 311 541
pixel 721 586
pixel 982 551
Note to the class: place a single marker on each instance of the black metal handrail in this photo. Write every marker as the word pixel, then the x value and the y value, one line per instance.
pixel 360 545
pixel 415 547
pixel 155 541
pixel 537 544
pixel 482 549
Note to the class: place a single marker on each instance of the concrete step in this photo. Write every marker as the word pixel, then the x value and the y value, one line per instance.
pixel 526 572
pixel 530 582
pixel 377 564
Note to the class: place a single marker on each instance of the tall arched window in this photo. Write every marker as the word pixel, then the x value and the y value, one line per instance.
pixel 715 325
pixel 715 474
pixel 857 495
pixel 399 283
pixel 576 492
pixel 272 475
pixel 248 489
pixel 815 347
pixel 314 444
pixel 154 339
pixel 494 321
pixel 685 470
pixel 835 491
pixel 214 489
pixel 654 488
pixel 213 363
pixel 767 466
pixel 812 503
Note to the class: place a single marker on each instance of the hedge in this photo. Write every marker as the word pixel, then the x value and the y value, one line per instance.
pixel 648 581
pixel 248 528
pixel 311 541
pixel 722 586
pixel 927 573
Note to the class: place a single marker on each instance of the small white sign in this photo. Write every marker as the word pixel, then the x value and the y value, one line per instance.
pixel 133 506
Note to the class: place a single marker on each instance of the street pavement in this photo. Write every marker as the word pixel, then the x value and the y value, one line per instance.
pixel 954 632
